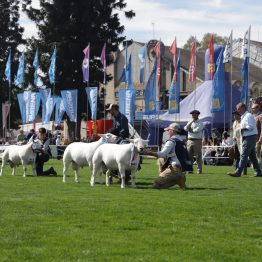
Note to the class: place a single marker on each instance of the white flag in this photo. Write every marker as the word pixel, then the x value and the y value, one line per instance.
pixel 246 44
pixel 228 50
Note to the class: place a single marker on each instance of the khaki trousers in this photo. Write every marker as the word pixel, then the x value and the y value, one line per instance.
pixel 194 148
pixel 170 176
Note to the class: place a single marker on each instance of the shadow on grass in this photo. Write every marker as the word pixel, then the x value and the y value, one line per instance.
pixel 206 188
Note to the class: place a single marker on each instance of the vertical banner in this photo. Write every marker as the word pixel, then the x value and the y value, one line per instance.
pixel 44 94
pixel 26 104
pixel 85 64
pixel 20 98
pixel 192 66
pixel 130 104
pixel 245 80
pixel 157 50
pixel 173 51
pixel 51 71
pixel 150 92
pixel 228 49
pixel 92 99
pixel 122 101
pixel 5 113
pixel 218 99
pixel 70 102
pixel 103 61
pixel 246 44
pixel 19 79
pixel 59 109
pixel 211 63
pixel 8 68
pixel 34 104
pixel 174 92
pixel 50 103
pixel 128 72
pixel 142 55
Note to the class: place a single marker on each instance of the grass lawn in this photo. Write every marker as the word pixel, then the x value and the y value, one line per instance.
pixel 218 218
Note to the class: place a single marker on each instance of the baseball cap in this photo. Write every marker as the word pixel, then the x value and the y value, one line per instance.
pixel 173 126
pixel 195 112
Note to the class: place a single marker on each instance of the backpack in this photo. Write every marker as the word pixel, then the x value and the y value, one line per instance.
pixel 182 154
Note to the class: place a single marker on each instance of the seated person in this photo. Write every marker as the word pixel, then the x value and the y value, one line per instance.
pixel 21 137
pixel 43 155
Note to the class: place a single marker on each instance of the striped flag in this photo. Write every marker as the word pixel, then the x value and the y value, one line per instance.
pixel 192 66
pixel 103 61
pixel 211 65
pixel 85 64
pixel 228 50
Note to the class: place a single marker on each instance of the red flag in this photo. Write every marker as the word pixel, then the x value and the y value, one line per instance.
pixel 173 50
pixel 211 65
pixel 158 55
pixel 192 66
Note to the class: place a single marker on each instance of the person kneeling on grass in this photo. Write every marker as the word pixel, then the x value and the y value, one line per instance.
pixel 173 160
pixel 44 154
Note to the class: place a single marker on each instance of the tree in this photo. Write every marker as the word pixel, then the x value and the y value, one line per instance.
pixel 10 37
pixel 220 40
pixel 189 42
pixel 70 26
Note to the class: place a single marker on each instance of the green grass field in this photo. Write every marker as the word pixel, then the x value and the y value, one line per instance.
pixel 218 218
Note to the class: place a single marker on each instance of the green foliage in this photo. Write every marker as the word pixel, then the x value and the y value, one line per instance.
pixel 189 42
pixel 10 38
pixel 217 40
pixel 218 218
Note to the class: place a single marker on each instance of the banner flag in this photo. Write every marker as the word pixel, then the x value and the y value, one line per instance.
pixel 85 64
pixel 51 72
pixel 70 102
pixel 246 44
pixel 142 58
pixel 127 103
pixel 245 81
pixel 157 50
pixel 37 81
pixel 19 79
pixel 92 99
pixel 103 61
pixel 228 49
pixel 173 50
pixel 211 63
pixel 174 91
pixel 150 92
pixel 34 105
pixel 218 99
pixel 129 73
pixel 192 66
pixel 20 98
pixel 5 112
pixel 8 68
pixel 50 104
pixel 59 109
pixel 44 94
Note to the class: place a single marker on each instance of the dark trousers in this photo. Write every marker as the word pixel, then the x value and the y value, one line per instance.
pixel 41 158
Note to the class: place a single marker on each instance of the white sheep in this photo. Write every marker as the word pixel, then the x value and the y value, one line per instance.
pixel 80 154
pixel 20 154
pixel 118 157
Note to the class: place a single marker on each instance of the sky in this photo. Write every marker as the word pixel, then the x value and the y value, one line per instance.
pixel 167 19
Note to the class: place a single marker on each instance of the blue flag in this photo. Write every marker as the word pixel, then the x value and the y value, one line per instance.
pixel 20 98
pixel 150 92
pixel 44 94
pixel 52 67
pixel 8 68
pixel 129 73
pixel 127 103
pixel 245 80
pixel 34 104
pixel 37 80
pixel 59 110
pixel 70 102
pixel 174 91
pixel 142 55
pixel 19 80
pixel 92 98
pixel 218 99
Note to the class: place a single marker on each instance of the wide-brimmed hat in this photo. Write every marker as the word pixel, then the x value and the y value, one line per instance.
pixel 173 126
pixel 195 112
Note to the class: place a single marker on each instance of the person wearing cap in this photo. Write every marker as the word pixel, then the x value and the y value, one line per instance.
pixel 249 134
pixel 120 123
pixel 170 170
pixel 21 136
pixel 43 155
pixel 194 139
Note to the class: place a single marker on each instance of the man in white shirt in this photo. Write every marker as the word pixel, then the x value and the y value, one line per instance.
pixel 194 139
pixel 249 135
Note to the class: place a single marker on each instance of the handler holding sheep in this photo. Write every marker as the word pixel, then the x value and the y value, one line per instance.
pixel 44 154
pixel 170 163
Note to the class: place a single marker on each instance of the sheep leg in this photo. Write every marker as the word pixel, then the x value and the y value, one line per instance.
pixel 94 172
pixel 107 177
pixel 133 182
pixel 24 168
pixel 76 175
pixel 66 165
pixel 34 168
pixel 123 175
pixel 2 166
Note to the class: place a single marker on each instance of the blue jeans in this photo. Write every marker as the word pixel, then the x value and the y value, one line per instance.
pixel 248 150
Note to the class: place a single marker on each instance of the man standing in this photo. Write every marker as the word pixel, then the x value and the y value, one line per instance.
pixel 194 139
pixel 170 167
pixel 120 123
pixel 249 135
